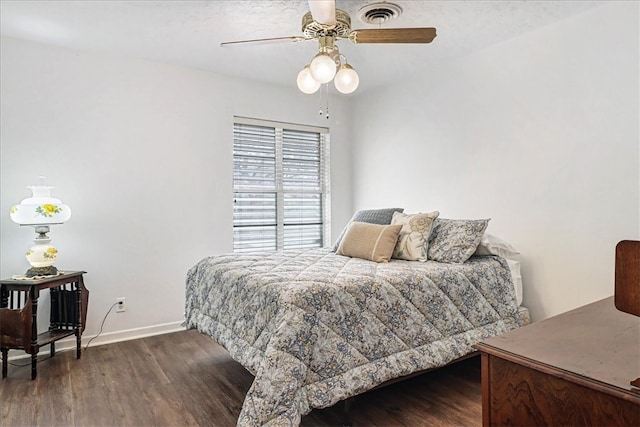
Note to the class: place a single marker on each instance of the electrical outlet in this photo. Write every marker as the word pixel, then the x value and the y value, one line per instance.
pixel 121 307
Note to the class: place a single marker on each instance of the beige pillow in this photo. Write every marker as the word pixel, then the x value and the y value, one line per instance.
pixel 413 241
pixel 369 241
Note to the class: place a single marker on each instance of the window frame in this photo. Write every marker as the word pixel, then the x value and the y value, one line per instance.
pixel 324 190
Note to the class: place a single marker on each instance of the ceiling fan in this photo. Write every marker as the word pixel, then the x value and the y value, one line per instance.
pixel 326 24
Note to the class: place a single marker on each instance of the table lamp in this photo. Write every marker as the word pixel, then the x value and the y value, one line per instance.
pixel 40 211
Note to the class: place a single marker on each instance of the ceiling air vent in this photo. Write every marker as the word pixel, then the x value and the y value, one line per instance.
pixel 379 13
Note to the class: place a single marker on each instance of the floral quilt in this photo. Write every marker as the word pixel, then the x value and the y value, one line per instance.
pixel 314 327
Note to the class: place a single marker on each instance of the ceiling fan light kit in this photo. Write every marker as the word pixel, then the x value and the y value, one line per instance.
pixel 326 24
pixel 327 65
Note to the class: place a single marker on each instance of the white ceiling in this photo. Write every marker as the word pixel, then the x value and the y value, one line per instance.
pixel 189 33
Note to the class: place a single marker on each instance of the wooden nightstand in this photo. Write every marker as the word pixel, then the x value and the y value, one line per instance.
pixel 19 314
pixel 571 369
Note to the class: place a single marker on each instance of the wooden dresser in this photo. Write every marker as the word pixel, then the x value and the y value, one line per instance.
pixel 572 369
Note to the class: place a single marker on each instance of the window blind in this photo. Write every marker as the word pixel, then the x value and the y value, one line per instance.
pixel 280 186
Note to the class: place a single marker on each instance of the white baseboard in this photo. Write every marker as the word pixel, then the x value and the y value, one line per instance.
pixel 106 338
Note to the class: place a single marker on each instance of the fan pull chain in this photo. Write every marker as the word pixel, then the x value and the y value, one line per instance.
pixel 327 98
pixel 324 93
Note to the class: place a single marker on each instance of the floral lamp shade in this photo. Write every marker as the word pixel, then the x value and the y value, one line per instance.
pixel 40 208
pixel 40 211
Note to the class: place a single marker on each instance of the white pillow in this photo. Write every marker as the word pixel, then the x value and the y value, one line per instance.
pixel 514 266
pixel 493 245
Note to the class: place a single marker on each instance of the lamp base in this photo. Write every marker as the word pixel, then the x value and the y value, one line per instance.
pixel 41 271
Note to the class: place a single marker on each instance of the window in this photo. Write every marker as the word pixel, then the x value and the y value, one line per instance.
pixel 280 186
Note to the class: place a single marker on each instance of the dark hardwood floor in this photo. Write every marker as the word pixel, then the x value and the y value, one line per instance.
pixel 185 379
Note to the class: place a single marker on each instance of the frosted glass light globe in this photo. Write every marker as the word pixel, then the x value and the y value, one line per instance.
pixel 322 68
pixel 306 83
pixel 347 79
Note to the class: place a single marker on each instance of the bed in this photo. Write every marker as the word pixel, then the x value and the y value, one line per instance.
pixel 398 294
pixel 315 327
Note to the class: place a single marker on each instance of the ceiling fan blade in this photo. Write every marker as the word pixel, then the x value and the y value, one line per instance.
pixel 393 35
pixel 265 41
pixel 323 11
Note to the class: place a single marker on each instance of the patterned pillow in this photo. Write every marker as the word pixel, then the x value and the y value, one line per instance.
pixel 369 241
pixel 413 242
pixel 371 216
pixel 455 240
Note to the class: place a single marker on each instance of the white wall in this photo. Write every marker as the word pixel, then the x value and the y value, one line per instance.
pixel 539 133
pixel 142 152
